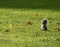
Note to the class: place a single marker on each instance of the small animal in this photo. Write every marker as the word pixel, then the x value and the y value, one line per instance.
pixel 43 25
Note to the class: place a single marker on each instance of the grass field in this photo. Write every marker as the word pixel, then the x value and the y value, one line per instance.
pixel 14 30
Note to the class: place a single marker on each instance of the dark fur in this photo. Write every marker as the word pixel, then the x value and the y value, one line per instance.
pixel 44 27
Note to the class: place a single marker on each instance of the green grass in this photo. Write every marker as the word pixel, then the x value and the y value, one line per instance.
pixel 13 17
pixel 20 35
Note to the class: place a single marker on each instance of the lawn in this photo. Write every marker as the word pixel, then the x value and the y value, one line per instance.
pixel 16 32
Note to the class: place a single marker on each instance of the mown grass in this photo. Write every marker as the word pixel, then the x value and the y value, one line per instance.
pixel 15 33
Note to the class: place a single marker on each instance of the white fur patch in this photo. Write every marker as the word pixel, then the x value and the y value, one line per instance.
pixel 42 27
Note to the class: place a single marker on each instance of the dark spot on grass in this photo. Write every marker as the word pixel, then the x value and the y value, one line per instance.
pixel 28 23
pixel 58 29
pixel 39 39
pixel 49 18
pixel 0 30
pixel 18 21
pixel 1 39
pixel 57 39
pixel 36 14
pixel 46 35
pixel 7 30
pixel 58 23
pixel 0 22
pixel 50 22
pixel 16 36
